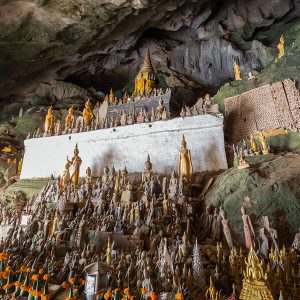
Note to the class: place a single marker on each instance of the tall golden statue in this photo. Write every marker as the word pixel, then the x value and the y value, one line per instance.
pixel 264 143
pixel 145 80
pixel 87 114
pixel 65 178
pixel 49 121
pixel 185 167
pixel 75 163
pixel 255 286
pixel 237 72
pixel 70 118
pixel 254 146
pixel 280 47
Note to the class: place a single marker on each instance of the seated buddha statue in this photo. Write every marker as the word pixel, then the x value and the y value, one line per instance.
pixel 139 88
pixel 70 119
pixel 87 114
pixel 50 121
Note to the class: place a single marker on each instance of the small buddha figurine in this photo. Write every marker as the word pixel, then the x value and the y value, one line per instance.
pixel 111 97
pixel 147 174
pixel 87 114
pixel 20 164
pixel 185 167
pixel 70 119
pixel 237 72
pixel 75 167
pixel 50 122
pixel 250 76
pixel 280 47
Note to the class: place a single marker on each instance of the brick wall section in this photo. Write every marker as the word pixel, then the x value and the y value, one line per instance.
pixel 264 108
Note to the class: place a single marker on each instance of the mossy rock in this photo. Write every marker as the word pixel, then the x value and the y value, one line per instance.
pixel 30 187
pixel 273 189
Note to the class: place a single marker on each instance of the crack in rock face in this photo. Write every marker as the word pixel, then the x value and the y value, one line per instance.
pixel 100 45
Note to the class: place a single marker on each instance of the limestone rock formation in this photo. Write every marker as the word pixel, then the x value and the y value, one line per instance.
pixel 269 188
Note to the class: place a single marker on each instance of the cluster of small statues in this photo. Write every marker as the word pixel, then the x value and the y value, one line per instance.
pixel 141 237
pixel 203 106
pixel 256 145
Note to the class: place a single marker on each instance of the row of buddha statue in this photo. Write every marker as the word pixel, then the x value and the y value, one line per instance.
pixel 90 120
pixel 71 173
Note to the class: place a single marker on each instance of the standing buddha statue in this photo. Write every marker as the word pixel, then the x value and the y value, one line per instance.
pixel 145 81
pixel 237 72
pixel 87 114
pixel 185 167
pixel 70 119
pixel 264 143
pixel 75 167
pixel 49 121
pixel 280 47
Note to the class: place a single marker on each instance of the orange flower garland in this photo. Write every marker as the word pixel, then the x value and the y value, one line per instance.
pixel 35 277
pixel 3 256
pixel 46 277
pixel 65 285
pixel 179 296
pixel 107 295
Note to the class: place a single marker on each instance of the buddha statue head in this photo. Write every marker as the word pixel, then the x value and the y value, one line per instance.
pixel 88 103
pixel 71 110
pixel 148 164
pixel 76 151
pixel 50 110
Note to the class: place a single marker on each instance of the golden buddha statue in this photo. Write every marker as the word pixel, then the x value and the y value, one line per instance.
pixel 212 293
pixel 280 47
pixel 237 72
pixel 111 97
pixel 49 121
pixel 20 164
pixel 185 167
pixel 145 81
pixel 87 114
pixel 255 286
pixel 70 118
pixel 75 164
pixel 254 147
pixel 264 143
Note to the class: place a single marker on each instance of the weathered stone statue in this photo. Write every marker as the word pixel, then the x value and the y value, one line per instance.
pixel 237 72
pixel 185 167
pixel 50 122
pixel 268 237
pixel 65 177
pixel 87 114
pixel 248 229
pixel 70 119
pixel 147 174
pixel 226 229
pixel 75 163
